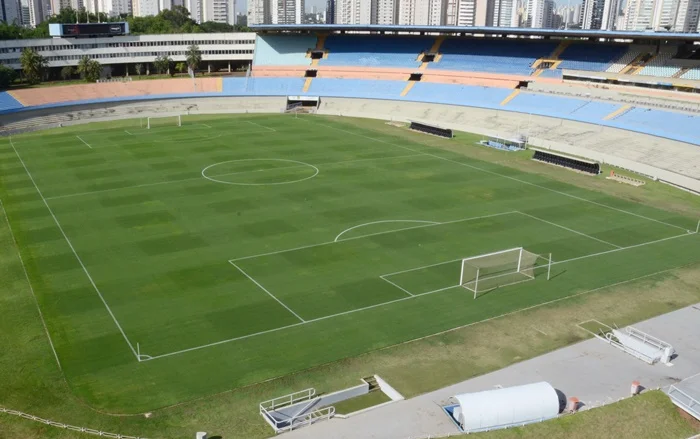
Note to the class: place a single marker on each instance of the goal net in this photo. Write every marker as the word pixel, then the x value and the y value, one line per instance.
pixel 484 273
pixel 163 121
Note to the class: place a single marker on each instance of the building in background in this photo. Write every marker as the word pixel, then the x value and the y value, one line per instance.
pixel 539 14
pixel 592 14
pixel 611 13
pixel 385 11
pixel 421 12
pixel 353 12
pixel 688 17
pixel 11 12
pixel 287 11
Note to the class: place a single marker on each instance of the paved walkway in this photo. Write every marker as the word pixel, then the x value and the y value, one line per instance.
pixel 593 371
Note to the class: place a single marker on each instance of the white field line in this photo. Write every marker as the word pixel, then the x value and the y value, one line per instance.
pixel 127 132
pixel 268 292
pixel 553 262
pixel 199 177
pixel 570 230
pixel 31 289
pixel 382 222
pixel 80 261
pixel 500 175
pixel 397 286
pixel 81 139
pixel 373 234
pixel 261 126
pixel 539 305
pixel 208 126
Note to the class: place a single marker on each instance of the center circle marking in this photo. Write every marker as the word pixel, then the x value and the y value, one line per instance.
pixel 214 179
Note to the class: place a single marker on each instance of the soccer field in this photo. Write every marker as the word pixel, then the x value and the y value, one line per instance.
pixel 174 262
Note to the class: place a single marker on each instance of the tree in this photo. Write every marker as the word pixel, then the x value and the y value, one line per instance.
pixel 181 67
pixel 67 73
pixel 162 64
pixel 139 69
pixel 89 69
pixel 193 57
pixel 33 65
pixel 7 76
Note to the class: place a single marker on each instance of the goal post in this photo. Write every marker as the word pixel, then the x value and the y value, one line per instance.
pixel 482 273
pixel 162 121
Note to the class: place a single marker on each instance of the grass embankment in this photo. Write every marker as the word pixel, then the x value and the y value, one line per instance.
pixel 650 415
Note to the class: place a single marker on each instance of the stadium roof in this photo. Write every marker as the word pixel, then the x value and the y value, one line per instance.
pixel 515 31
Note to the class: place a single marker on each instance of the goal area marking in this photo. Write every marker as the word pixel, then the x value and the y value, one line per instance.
pixel 483 273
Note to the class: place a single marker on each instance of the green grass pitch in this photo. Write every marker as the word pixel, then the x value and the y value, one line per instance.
pixel 177 262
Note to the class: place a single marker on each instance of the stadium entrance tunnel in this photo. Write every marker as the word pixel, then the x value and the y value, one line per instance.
pixel 259 172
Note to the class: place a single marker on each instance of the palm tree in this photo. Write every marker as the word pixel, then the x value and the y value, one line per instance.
pixel 162 64
pixel 181 67
pixel 193 57
pixel 89 69
pixel 33 65
pixel 138 68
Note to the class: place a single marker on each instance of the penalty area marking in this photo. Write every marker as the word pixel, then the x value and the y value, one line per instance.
pixel 299 164
pixel 382 222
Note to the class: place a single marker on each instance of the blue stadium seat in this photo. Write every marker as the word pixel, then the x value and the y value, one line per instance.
pixel 566 108
pixel 491 55
pixel 262 86
pixel 8 103
pixel 484 97
pixel 668 124
pixel 287 50
pixel 374 51
pixel 590 56
pixel 356 88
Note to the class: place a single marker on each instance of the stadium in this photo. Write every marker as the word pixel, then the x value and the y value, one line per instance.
pixel 374 231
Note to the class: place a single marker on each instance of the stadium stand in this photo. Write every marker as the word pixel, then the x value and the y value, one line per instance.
pixel 491 55
pixel 660 65
pixel 486 97
pixel 357 88
pixel 633 53
pixel 374 51
pixel 288 50
pixel 561 107
pixel 693 73
pixel 8 102
pixel 678 126
pixel 589 56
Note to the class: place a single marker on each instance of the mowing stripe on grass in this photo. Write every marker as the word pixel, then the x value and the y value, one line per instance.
pixel 497 174
pixel 570 230
pixel 199 177
pixel 373 234
pixel 80 261
pixel 413 297
pixel 31 288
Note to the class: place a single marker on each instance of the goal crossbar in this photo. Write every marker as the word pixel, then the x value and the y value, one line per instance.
pixel 482 273
pixel 177 116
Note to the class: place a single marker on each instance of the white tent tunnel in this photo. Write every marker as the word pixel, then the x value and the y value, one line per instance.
pixel 506 407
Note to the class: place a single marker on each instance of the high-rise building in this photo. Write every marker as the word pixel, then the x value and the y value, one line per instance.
pixel 287 11
pixel 539 14
pixel 656 15
pixel 502 13
pixel 10 12
pixel 592 11
pixel 421 12
pixel 353 11
pixel 219 11
pixel 330 12
pixel 611 11
pixel 259 12
pixel 385 12
pixel 688 16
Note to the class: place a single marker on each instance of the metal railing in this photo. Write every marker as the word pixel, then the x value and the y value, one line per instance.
pixel 687 403
pixel 67 426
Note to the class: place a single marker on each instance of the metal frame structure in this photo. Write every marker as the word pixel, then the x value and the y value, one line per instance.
pixel 148 120
pixel 300 418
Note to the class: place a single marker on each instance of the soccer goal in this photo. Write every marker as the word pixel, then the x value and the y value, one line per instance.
pixel 163 121
pixel 483 273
